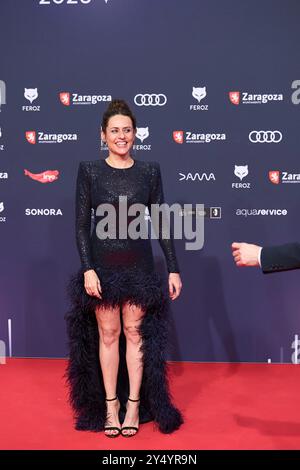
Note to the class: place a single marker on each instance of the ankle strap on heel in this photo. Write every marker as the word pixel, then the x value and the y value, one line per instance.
pixel 130 399
pixel 111 399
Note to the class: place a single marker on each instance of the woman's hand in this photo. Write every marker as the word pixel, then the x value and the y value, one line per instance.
pixel 92 284
pixel 175 285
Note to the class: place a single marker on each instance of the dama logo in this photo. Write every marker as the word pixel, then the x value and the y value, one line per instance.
pixel 178 137
pixel 274 176
pixel 65 98
pixel 31 137
pixel 234 97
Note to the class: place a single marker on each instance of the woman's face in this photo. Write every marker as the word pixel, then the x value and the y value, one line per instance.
pixel 119 135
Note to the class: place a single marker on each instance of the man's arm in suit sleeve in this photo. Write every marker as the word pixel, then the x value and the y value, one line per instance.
pixel 280 258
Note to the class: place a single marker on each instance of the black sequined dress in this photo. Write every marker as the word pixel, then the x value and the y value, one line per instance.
pixel 126 271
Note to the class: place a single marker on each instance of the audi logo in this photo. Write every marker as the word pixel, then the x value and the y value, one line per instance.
pixel 265 137
pixel 152 99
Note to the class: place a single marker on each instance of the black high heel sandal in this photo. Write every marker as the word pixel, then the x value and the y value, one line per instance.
pixel 112 428
pixel 134 428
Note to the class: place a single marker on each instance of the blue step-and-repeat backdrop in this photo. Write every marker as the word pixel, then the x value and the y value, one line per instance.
pixel 215 87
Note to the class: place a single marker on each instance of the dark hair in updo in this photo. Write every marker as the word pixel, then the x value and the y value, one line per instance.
pixel 115 107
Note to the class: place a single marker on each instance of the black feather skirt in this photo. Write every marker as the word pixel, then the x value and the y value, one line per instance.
pixel 84 376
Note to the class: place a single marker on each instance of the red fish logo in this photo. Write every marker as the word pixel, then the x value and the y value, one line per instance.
pixel 45 177
pixel 31 137
pixel 65 98
pixel 178 137
pixel 234 97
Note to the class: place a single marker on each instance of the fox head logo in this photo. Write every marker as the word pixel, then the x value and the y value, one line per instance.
pixel 241 171
pixel 199 93
pixel 31 94
pixel 142 133
pixel 31 137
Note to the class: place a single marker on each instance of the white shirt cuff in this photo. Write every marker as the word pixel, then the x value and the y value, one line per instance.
pixel 259 256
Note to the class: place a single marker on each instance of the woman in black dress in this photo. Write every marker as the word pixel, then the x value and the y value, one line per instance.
pixel 117 369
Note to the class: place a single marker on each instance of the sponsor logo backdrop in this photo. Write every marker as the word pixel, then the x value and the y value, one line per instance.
pixel 223 75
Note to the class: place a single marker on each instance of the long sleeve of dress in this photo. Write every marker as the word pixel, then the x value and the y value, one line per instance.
pixel 83 218
pixel 157 197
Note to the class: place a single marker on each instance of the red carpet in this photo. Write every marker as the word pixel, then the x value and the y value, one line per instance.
pixel 226 406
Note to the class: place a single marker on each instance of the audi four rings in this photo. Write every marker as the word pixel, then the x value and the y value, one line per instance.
pixel 150 99
pixel 265 137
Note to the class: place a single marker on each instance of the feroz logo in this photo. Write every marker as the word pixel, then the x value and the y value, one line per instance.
pixel 241 171
pixel 262 137
pixel 45 177
pixel 65 98
pixel 2 93
pixel 31 137
pixel 142 133
pixel 152 99
pixel 31 94
pixel 199 93
pixel 274 176
pixel 178 137
pixel 296 94
pixel 234 97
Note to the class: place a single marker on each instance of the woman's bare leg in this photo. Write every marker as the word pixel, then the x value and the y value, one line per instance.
pixel 132 317
pixel 109 327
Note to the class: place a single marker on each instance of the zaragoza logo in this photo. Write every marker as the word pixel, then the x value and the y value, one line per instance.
pixel 65 98
pixel 274 176
pixel 31 137
pixel 234 97
pixel 178 137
